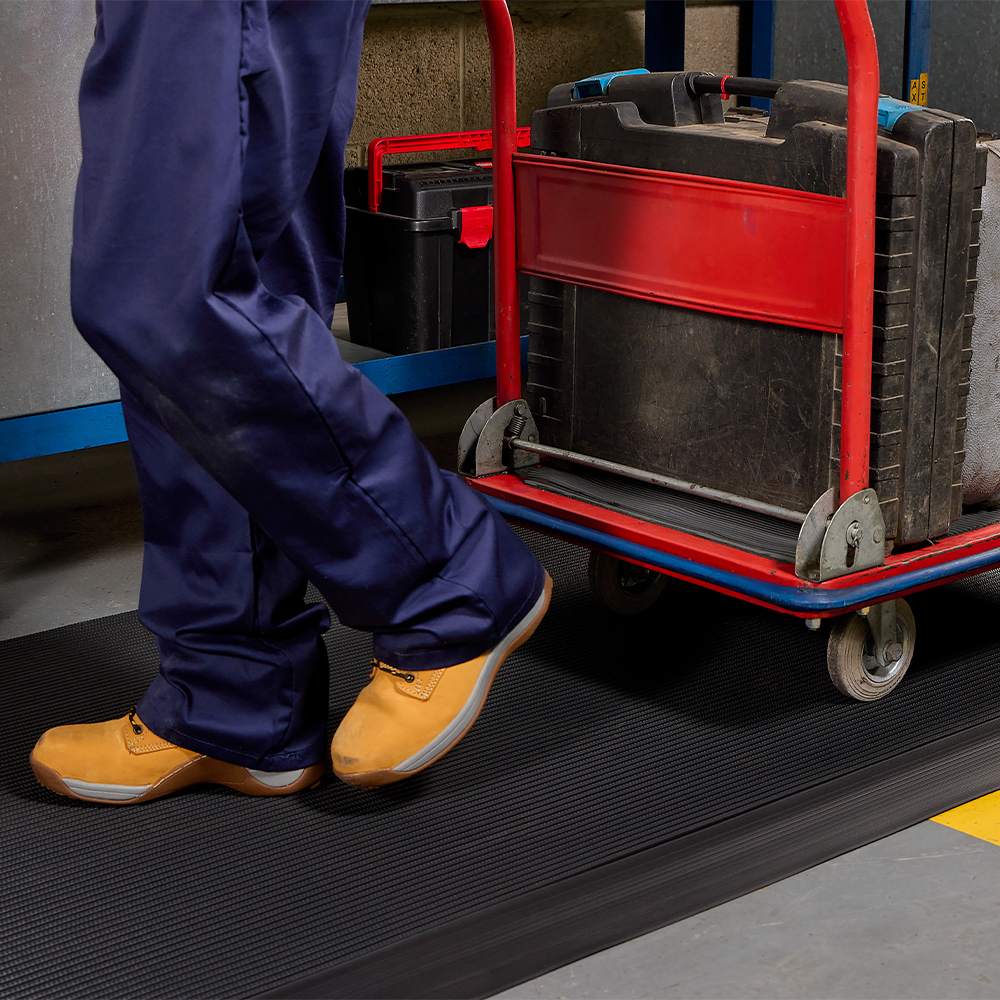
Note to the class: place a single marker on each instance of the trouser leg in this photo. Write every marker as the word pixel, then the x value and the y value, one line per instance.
pixel 202 127
pixel 243 674
pixel 243 671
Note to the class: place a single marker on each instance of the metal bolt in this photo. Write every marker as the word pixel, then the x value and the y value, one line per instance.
pixel 519 409
pixel 866 499
pixel 854 534
pixel 877 536
pixel 812 624
pixel 893 651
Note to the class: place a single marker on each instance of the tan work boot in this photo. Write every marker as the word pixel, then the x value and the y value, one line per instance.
pixel 403 721
pixel 123 762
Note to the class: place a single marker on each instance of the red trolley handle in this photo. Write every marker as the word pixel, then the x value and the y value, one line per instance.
pixel 862 136
pixel 377 148
pixel 503 103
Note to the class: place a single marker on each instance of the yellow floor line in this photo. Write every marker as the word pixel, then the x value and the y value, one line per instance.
pixel 979 818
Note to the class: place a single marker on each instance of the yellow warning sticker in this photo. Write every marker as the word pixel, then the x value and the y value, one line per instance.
pixel 979 818
pixel 918 90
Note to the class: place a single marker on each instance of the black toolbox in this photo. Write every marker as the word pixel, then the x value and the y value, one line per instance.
pixel 748 407
pixel 412 284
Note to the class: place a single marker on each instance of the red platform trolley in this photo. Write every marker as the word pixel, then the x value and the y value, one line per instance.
pixel 634 239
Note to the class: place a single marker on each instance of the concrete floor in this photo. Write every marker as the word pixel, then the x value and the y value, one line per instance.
pixel 70 539
pixel 914 915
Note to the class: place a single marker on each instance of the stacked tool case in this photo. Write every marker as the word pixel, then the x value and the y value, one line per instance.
pixel 981 472
pixel 748 407
pixel 411 284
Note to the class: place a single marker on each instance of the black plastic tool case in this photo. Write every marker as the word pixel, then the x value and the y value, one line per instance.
pixel 749 407
pixel 411 286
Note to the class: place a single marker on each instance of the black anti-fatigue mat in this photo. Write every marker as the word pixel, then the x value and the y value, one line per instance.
pixel 624 773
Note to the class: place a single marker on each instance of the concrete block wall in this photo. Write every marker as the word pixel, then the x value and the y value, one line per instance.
pixel 425 66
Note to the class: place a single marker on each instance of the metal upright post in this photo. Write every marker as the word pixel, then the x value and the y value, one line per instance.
pixel 665 35
pixel 762 54
pixel 504 112
pixel 916 51
pixel 862 136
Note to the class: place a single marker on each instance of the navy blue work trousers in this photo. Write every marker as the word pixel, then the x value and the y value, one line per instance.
pixel 208 239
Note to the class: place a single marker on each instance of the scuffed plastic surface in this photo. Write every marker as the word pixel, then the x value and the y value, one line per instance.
pixel 981 472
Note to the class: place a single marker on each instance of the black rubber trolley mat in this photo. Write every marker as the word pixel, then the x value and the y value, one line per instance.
pixel 625 773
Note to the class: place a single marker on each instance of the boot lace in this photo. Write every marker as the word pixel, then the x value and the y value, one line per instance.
pixel 136 728
pixel 386 669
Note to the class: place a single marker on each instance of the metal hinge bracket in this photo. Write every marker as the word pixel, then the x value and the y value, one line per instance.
pixel 484 445
pixel 835 541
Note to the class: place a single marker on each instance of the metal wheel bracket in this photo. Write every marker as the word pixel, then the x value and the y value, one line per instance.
pixel 882 624
pixel 835 541
pixel 484 444
pixel 868 655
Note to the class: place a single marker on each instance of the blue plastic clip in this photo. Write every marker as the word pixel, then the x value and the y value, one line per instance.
pixel 890 111
pixel 594 86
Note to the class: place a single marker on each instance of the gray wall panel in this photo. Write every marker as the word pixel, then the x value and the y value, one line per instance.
pixel 808 44
pixel 44 363
pixel 965 51
pixel 965 60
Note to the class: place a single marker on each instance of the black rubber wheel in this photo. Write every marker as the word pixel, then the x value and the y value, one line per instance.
pixel 850 656
pixel 621 586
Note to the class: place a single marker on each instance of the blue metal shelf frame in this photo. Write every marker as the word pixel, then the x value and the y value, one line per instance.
pixel 762 55
pixel 916 51
pixel 664 35
pixel 102 423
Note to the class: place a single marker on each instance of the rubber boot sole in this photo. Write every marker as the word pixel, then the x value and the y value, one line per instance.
pixel 463 722
pixel 199 771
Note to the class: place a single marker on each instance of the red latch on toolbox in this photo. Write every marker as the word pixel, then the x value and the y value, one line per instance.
pixel 477 226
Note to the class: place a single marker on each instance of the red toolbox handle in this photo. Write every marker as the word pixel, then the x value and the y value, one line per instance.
pixel 377 148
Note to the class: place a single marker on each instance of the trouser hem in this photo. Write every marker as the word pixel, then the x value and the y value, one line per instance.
pixel 452 655
pixel 281 761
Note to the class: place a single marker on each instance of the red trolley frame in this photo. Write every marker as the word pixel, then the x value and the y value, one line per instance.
pixel 822 246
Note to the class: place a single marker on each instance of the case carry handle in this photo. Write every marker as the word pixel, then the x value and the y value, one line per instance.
pixel 378 148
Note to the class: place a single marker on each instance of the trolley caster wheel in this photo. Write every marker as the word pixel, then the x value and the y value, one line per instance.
pixel 851 660
pixel 621 586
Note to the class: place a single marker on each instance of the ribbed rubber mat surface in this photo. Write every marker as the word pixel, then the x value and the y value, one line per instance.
pixel 603 736
pixel 695 515
pixel 974 519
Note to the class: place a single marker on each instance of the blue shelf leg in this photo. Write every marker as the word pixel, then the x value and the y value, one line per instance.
pixel 762 56
pixel 916 51
pixel 665 35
